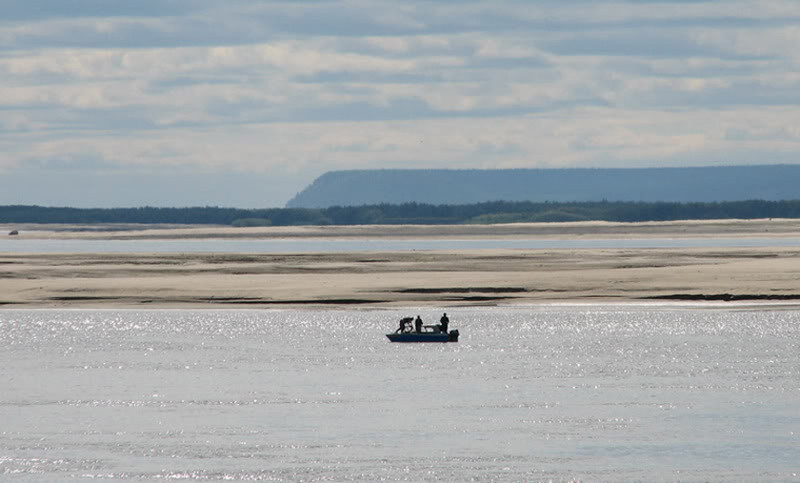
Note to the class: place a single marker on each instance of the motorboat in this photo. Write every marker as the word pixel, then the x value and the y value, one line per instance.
pixel 451 336
pixel 427 333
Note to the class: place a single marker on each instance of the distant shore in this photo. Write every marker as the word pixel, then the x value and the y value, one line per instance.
pixel 590 229
pixel 442 278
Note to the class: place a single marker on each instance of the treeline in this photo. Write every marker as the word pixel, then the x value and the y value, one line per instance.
pixel 409 213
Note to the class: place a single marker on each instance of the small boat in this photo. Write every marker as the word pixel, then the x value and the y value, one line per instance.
pixel 451 336
pixel 427 333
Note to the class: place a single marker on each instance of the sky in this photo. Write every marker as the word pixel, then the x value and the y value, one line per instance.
pixel 242 103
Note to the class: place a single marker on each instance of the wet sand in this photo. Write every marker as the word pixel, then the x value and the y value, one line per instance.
pixel 445 278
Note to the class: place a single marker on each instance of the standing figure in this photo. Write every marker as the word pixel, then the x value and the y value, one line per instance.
pixel 418 324
pixel 444 322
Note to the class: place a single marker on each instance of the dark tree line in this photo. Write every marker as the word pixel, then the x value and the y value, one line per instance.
pixel 409 213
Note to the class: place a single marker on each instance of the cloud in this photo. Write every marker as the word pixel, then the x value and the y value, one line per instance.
pixel 32 10
pixel 638 43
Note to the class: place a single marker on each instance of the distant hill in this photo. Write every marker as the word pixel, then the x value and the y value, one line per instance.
pixel 455 187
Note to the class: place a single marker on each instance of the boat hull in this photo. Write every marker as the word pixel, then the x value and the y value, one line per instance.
pixel 423 337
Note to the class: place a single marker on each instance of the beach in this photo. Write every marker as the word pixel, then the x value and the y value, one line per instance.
pixel 445 278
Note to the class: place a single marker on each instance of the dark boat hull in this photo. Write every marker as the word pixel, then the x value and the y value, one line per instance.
pixel 423 337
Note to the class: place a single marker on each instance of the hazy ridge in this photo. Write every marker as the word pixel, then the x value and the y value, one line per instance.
pixel 453 187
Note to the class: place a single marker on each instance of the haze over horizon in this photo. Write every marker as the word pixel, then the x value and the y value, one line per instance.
pixel 244 103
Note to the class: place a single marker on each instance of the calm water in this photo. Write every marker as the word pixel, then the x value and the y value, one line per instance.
pixel 584 392
pixel 14 245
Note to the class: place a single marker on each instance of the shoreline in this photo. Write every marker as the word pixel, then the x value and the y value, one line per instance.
pixel 755 276
pixel 540 306
pixel 583 229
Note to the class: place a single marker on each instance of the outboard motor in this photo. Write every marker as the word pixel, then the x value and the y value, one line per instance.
pixel 452 336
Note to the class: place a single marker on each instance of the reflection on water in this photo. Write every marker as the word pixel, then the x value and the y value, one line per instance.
pixel 592 392
pixel 344 245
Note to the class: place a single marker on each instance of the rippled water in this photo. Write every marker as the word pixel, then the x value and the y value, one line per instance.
pixel 585 392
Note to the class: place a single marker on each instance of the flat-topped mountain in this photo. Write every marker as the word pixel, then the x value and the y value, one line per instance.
pixel 445 186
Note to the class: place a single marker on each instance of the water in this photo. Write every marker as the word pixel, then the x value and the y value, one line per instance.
pixel 536 393
pixel 18 245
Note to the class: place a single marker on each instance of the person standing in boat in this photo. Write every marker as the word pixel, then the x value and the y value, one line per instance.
pixel 418 324
pixel 444 322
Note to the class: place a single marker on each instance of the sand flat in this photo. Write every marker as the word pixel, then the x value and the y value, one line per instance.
pixel 418 278
pixel 584 229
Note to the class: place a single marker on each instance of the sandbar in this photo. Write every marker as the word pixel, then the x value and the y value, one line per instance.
pixel 440 278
